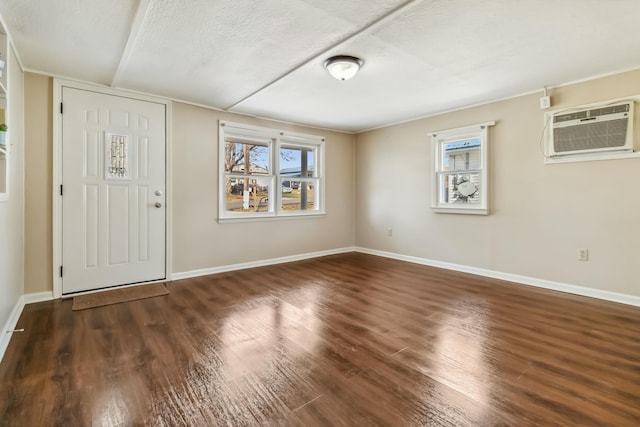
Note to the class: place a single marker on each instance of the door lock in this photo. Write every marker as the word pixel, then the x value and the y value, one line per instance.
pixel 158 205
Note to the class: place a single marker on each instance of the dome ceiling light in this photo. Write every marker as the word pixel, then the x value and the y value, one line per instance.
pixel 343 67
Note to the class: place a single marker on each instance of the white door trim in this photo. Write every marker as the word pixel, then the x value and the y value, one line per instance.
pixel 57 171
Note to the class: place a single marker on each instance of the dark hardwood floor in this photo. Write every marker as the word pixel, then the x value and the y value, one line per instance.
pixel 351 340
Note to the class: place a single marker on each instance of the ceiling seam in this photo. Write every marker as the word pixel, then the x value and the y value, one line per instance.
pixel 186 102
pixel 372 25
pixel 141 13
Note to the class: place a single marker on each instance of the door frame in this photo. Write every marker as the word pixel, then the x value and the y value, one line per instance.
pixel 58 84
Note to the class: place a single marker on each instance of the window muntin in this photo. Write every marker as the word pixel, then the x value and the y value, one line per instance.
pixel 282 176
pixel 460 170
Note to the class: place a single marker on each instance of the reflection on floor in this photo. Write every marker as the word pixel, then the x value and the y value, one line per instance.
pixel 342 340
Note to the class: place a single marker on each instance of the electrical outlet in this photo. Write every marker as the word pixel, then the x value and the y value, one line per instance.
pixel 583 254
pixel 389 232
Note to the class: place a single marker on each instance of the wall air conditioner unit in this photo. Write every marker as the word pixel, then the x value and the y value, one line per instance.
pixel 595 129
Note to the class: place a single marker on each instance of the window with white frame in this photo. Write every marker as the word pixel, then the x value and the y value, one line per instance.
pixel 268 173
pixel 460 183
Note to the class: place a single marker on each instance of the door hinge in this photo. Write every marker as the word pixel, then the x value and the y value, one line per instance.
pixel 61 108
pixel 61 189
pixel 60 271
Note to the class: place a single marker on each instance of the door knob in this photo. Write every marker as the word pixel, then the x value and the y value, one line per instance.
pixel 158 205
pixel 158 193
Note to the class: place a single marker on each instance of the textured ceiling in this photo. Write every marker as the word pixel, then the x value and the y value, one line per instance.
pixel 265 57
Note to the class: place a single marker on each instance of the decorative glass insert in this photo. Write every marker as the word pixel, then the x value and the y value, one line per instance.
pixel 116 156
pixel 460 170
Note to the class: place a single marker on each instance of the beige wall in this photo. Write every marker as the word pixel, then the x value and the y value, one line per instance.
pixel 540 214
pixel 12 210
pixel 199 242
pixel 38 181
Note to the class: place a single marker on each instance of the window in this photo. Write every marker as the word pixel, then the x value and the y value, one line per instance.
pixel 460 170
pixel 267 173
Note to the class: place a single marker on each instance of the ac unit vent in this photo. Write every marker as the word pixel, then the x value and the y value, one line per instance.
pixel 606 128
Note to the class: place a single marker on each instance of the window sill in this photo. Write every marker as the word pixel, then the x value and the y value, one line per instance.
pixel 258 218
pixel 467 211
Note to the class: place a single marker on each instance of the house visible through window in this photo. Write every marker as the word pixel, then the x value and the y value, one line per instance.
pixel 268 173
pixel 460 170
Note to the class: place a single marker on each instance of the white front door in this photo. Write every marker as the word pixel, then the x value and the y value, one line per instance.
pixel 113 190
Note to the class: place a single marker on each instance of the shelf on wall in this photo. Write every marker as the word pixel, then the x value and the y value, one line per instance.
pixel 4 56
pixel 5 156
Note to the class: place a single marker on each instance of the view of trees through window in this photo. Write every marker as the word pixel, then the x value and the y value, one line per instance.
pixel 259 173
pixel 247 168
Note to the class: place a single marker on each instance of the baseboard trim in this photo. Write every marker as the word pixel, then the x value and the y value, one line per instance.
pixel 524 280
pixel 261 263
pixel 12 321
pixel 9 325
pixel 37 297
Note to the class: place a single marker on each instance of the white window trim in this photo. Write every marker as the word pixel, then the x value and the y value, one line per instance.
pixel 275 139
pixel 441 137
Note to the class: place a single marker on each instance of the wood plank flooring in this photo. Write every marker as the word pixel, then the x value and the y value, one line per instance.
pixel 345 340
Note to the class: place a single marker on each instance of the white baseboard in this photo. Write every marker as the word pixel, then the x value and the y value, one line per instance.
pixel 37 297
pixel 525 280
pixel 9 325
pixel 261 263
pixel 12 321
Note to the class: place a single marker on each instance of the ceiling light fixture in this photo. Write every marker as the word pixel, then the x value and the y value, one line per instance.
pixel 343 67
